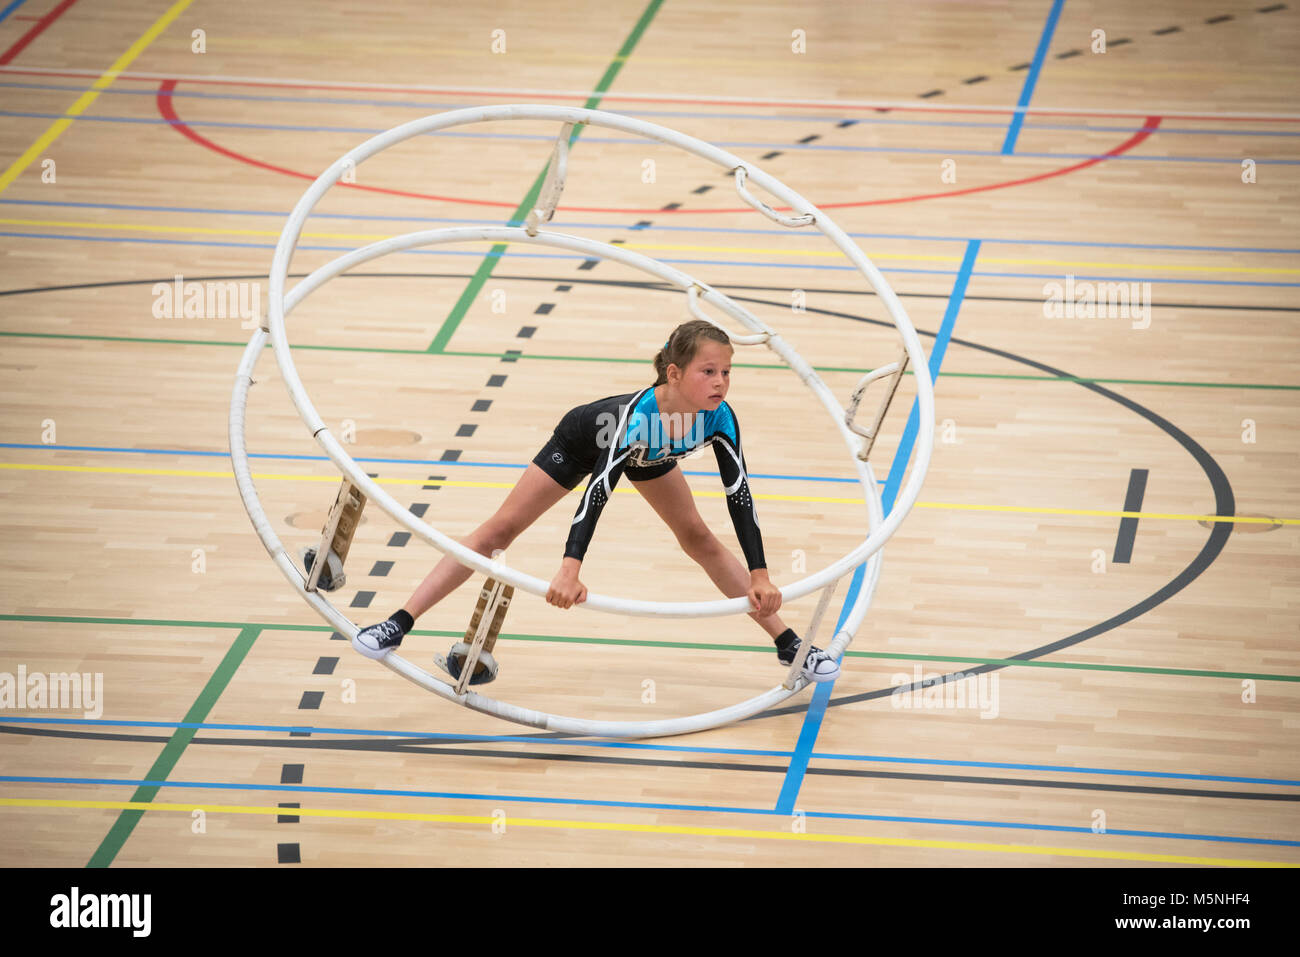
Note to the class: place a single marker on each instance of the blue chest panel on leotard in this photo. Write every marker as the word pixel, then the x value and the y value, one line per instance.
pixel 628 432
pixel 648 433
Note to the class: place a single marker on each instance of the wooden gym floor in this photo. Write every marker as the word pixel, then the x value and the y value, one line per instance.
pixel 1139 670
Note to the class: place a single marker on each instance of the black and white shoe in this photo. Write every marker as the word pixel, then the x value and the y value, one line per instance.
pixel 818 666
pixel 375 641
pixel 484 671
pixel 331 576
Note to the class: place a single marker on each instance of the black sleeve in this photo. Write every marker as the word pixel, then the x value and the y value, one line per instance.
pixel 740 501
pixel 610 463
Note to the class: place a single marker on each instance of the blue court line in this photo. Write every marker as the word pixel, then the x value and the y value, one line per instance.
pixel 1031 78
pixel 441 463
pixel 657 227
pixel 813 119
pixel 725 144
pixel 4 14
pixel 753 264
pixel 822 694
pixel 642 746
pixel 639 805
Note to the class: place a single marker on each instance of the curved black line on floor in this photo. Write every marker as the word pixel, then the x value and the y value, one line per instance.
pixel 577 281
pixel 423 746
pixel 1224 506
pixel 1225 503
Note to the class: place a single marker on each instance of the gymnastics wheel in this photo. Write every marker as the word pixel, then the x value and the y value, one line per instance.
pixel 857 439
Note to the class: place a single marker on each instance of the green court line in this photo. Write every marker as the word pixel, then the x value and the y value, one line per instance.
pixel 493 257
pixel 171 753
pixel 689 645
pixel 861 369
pixel 616 359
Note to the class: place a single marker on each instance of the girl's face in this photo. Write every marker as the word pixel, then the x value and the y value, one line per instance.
pixel 705 380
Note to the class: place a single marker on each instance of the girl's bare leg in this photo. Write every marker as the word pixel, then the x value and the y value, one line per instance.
pixel 670 496
pixel 532 496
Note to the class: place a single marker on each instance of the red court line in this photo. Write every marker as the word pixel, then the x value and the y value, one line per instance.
pixel 700 101
pixel 1149 126
pixel 37 29
pixel 168 111
pixel 166 107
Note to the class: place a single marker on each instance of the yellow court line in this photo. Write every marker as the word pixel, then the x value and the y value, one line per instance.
pixel 1169 267
pixel 1235 519
pixel 90 96
pixel 956 259
pixel 201 230
pixel 267 476
pixel 817 499
pixel 730 832
pixel 672 247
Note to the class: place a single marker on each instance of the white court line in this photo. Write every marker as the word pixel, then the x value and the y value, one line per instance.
pixel 658 97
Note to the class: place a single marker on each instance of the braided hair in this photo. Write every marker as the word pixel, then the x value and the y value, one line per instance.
pixel 682 345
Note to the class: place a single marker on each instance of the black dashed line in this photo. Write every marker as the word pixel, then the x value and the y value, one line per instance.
pixel 616 242
pixel 843 123
pixel 335 636
pixel 645 222
pixel 482 405
pixel 288 854
pixel 466 430
pixel 453 455
pixel 326 666
pixel 1120 42
pixel 311 700
pixel 975 79
pixel 1220 19
pixel 767 156
pixel 525 332
pixel 398 540
pixel 512 355
pixel 300 734
pixel 544 309
pixel 496 381
pixel 418 509
pixel 1273 9
pixel 363 599
pixel 926 96
pixel 810 138
pixel 701 189
pixel 381 569
pixel 1021 66
pixel 291 774
pixel 589 264
pixel 287 818
pixel 1164 30
pixel 563 287
pixel 436 483
pixel 1067 54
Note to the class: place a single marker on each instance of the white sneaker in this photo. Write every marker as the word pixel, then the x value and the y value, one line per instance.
pixel 378 640
pixel 818 666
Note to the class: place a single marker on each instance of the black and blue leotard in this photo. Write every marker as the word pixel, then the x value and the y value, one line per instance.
pixel 625 434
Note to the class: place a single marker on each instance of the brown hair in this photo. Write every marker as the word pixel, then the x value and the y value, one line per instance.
pixel 682 345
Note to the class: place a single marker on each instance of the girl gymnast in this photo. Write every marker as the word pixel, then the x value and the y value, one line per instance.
pixel 642 435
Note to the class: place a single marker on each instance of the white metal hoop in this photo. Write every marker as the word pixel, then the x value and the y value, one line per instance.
pixel 280 305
